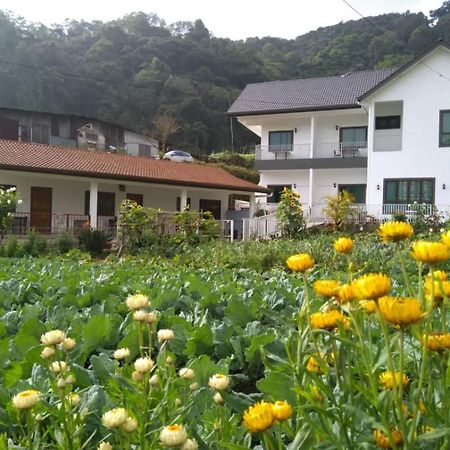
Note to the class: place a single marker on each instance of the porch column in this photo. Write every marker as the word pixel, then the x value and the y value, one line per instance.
pixel 183 199
pixel 252 206
pixel 373 196
pixel 311 189
pixel 311 155
pixel 93 198
pixel 312 137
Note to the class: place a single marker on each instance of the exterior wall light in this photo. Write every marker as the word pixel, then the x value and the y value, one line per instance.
pixel 295 130
pixel 337 127
pixel 334 185
pixel 444 187
pixel 378 187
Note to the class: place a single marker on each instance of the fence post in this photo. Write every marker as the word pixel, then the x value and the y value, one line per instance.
pixel 231 230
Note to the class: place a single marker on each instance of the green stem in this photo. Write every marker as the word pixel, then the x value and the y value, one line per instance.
pixel 401 261
pixel 399 389
pixel 141 339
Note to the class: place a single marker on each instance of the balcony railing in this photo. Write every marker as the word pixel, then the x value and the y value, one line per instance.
pixel 320 150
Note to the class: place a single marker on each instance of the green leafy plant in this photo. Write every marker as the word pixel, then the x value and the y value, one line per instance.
pixel 290 214
pixel 8 203
pixel 93 241
pixel 65 242
pixel 339 210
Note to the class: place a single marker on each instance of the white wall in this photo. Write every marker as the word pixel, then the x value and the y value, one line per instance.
pixel 424 93
pixel 299 178
pixel 388 140
pixel 132 141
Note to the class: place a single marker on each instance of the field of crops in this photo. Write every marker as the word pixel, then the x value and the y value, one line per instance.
pixel 225 347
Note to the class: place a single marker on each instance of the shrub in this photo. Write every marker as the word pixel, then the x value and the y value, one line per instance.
pixel 93 241
pixel 339 209
pixel 290 214
pixel 13 248
pixel 64 243
pixel 8 202
pixel 35 245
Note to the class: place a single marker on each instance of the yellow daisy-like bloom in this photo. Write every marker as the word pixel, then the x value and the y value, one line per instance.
pixel 437 275
pixel 300 262
pixel 389 380
pixel 441 288
pixel 437 342
pixel 343 245
pixel 345 294
pixel 382 440
pixel 26 399
pixel 395 231
pixel 281 410
pixel 173 436
pixel 371 286
pixel 430 252
pixel 369 306
pixel 316 364
pixel 315 392
pixel 446 238
pixel 259 417
pixel 328 320
pixel 326 288
pixel 400 311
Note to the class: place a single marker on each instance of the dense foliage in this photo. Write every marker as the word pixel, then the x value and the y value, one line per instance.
pixel 131 69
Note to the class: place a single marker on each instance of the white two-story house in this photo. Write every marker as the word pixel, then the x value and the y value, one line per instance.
pixel 383 135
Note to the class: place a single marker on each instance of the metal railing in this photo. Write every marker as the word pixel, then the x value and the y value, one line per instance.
pixel 284 151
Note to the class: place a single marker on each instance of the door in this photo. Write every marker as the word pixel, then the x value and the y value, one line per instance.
pixel 213 206
pixel 357 190
pixel 41 209
pixel 138 198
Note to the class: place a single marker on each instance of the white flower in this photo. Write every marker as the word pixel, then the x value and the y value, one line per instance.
pixel 130 425
pixel 105 446
pixel 26 399
pixel 137 376
pixel 137 301
pixel 8 201
pixel 151 317
pixel 154 380
pixel 186 373
pixel 63 382
pixel 74 399
pixel 68 344
pixel 140 315
pixel 218 399
pixel 219 382
pixel 19 202
pixel 114 418
pixel 53 337
pixel 48 352
pixel 190 444
pixel 59 366
pixel 193 386
pixel 165 335
pixel 144 365
pixel 121 353
pixel 173 436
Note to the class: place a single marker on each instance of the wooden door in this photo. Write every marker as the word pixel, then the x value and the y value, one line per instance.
pixel 138 198
pixel 213 206
pixel 41 209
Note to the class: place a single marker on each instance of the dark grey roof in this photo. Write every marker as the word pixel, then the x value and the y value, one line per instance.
pixel 309 94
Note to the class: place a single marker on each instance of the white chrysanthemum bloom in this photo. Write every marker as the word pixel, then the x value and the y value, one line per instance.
pixel 105 446
pixel 137 376
pixel 26 399
pixel 53 337
pixel 165 335
pixel 173 436
pixel 190 444
pixel 114 418
pixel 140 315
pixel 68 344
pixel 218 399
pixel 48 352
pixel 130 425
pixel 137 301
pixel 219 381
pixel 19 202
pixel 169 360
pixel 193 386
pixel 178 402
pixel 186 373
pixel 121 353
pixel 63 382
pixel 74 399
pixel 152 317
pixel 59 366
pixel 144 365
pixel 154 380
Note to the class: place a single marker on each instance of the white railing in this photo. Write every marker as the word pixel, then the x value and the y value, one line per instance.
pixel 262 227
pixel 282 151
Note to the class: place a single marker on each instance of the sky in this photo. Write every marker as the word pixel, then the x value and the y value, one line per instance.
pixel 235 19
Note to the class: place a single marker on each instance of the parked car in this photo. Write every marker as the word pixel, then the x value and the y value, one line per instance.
pixel 178 156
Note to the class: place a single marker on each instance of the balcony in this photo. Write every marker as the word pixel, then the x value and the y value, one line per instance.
pixel 323 156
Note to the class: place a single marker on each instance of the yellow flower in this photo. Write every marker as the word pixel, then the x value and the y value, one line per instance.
pixel 389 380
pixel 173 436
pixel 53 337
pixel 137 301
pixel 400 311
pixel 371 286
pixel 441 288
pixel 300 262
pixel 343 245
pixel 26 399
pixel 369 306
pixel 326 288
pixel 437 342
pixel 105 446
pixel 114 418
pixel 446 238
pixel 437 275
pixel 345 294
pixel 327 320
pixel 219 382
pixel 395 231
pixel 315 392
pixel 316 364
pixel 430 252
pixel 74 399
pixel 259 417
pixel 382 440
pixel 281 410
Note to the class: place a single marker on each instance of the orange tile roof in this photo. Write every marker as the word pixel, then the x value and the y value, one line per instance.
pixel 31 157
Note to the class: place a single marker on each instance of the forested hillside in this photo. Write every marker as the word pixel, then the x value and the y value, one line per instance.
pixel 129 70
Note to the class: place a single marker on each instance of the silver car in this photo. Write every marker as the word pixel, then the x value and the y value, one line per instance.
pixel 178 156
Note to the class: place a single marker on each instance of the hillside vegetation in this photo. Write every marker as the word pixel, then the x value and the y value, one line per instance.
pixel 131 69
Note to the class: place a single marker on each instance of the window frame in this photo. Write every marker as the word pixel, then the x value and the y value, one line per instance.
pixel 408 200
pixel 291 133
pixel 352 128
pixel 441 127
pixel 388 120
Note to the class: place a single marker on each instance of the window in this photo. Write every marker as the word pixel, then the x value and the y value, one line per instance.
pixel 353 135
pixel 25 133
pixel 276 189
pixel 357 190
pixel 387 122
pixel 106 203
pixel 40 134
pixel 281 141
pixel 444 129
pixel 409 190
